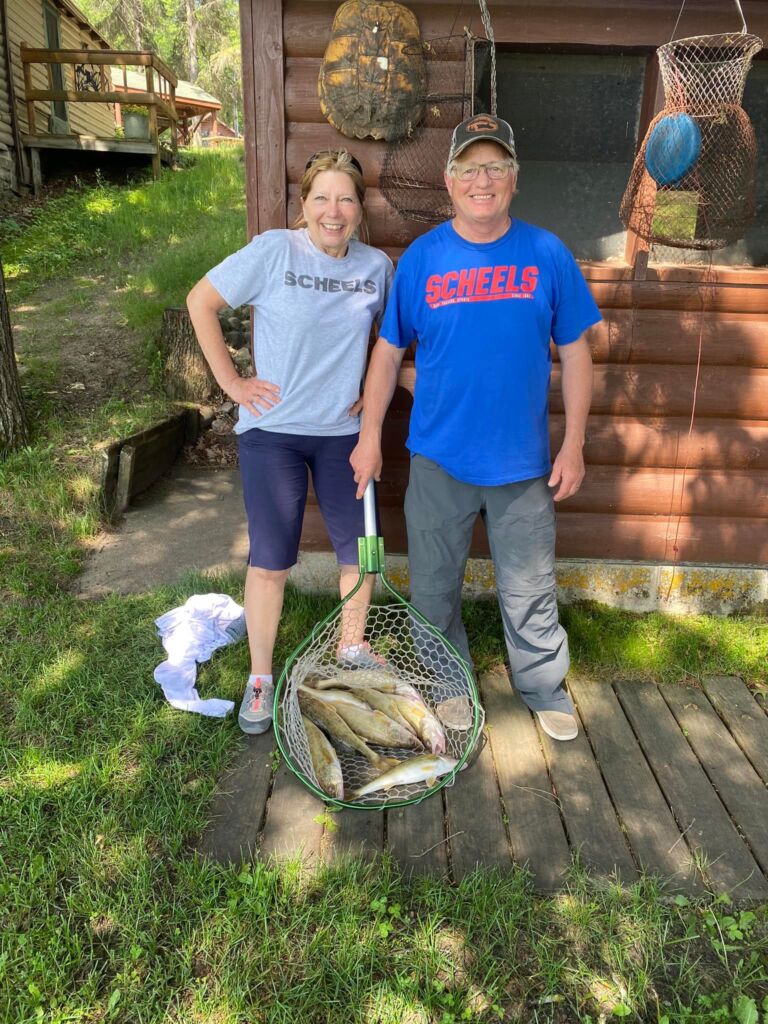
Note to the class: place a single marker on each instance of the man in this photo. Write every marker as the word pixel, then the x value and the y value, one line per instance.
pixel 481 296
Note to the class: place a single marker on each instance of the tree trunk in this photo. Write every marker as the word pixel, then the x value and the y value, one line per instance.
pixel 194 69
pixel 137 23
pixel 186 376
pixel 13 424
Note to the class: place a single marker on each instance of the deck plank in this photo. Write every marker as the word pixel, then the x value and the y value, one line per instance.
pixel 416 837
pixel 700 815
pixel 290 828
pixel 473 813
pixel 535 827
pixel 590 820
pixel 238 805
pixel 744 717
pixel 653 835
pixel 740 787
pixel 355 834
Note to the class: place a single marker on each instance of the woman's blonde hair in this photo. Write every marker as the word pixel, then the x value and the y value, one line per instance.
pixel 335 160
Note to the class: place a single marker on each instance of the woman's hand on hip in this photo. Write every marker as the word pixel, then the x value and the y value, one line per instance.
pixel 254 394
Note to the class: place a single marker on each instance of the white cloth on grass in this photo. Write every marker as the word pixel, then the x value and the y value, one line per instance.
pixel 191 634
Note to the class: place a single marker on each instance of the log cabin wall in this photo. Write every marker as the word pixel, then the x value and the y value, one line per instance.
pixel 657 488
pixel 26 24
pixel 7 139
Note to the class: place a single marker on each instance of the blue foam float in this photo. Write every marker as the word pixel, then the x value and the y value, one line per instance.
pixel 673 148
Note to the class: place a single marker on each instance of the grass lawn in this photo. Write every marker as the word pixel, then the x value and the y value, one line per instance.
pixel 107 914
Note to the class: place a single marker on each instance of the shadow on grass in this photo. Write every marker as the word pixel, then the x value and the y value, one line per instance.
pixel 108 915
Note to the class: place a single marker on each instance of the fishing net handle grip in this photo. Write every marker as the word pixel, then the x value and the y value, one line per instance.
pixel 369 508
pixel 370 548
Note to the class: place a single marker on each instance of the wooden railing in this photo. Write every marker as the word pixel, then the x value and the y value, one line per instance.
pixel 91 83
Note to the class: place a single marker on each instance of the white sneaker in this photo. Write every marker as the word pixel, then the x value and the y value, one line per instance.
pixel 558 724
pixel 255 713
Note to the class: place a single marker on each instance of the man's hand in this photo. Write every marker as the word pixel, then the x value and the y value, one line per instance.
pixel 365 461
pixel 254 394
pixel 567 471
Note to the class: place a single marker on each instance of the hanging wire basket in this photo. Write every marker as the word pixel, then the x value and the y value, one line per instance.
pixel 411 178
pixel 693 181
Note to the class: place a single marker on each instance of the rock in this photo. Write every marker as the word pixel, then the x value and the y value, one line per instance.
pixel 222 425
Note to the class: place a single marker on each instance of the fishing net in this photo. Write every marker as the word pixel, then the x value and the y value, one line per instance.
pixel 693 181
pixel 415 653
pixel 412 173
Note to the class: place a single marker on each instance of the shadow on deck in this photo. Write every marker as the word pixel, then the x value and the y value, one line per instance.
pixel 669 780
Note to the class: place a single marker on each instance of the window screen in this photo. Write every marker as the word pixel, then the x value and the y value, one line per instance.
pixel 575 119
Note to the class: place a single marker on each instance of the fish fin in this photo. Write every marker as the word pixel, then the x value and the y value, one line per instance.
pixel 388 762
pixel 431 780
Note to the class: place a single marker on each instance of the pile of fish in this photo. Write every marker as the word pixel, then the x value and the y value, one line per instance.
pixel 349 710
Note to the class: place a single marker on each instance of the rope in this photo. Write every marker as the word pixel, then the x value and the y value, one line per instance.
pixel 486 19
pixel 682 8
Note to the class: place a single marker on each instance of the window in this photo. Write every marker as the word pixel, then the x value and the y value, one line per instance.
pixel 58 116
pixel 576 119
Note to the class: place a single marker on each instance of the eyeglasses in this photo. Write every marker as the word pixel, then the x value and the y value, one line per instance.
pixel 335 153
pixel 497 170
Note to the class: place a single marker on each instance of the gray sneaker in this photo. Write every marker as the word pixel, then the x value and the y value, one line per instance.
pixel 237 629
pixel 558 724
pixel 361 656
pixel 255 714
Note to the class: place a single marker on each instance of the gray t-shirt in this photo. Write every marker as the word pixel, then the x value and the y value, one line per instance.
pixel 312 319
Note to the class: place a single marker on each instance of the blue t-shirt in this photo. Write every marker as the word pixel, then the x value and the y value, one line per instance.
pixel 482 316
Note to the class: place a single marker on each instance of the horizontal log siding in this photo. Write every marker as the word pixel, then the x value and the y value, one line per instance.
pixel 26 25
pixel 656 488
pixel 6 125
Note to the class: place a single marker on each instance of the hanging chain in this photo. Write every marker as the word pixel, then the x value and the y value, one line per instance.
pixel 486 19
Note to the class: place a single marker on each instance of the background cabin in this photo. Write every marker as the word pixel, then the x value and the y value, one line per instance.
pixel 677 446
pixel 58 83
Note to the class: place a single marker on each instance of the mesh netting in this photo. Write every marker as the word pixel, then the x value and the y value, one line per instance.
pixel 416 656
pixel 693 181
pixel 412 174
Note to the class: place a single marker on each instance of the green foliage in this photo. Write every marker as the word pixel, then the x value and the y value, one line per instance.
pixel 213 46
pixel 134 108
pixel 182 225
pixel 608 643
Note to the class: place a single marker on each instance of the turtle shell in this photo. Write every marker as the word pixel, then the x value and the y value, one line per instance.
pixel 372 81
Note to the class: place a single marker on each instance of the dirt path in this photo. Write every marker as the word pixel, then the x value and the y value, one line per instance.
pixel 71 333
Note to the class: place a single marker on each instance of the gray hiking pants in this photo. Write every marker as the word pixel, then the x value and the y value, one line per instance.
pixel 440 513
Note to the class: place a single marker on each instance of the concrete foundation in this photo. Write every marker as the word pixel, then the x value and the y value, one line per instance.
pixel 632 586
pixel 195 520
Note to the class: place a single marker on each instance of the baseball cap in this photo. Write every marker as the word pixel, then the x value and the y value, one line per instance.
pixel 480 128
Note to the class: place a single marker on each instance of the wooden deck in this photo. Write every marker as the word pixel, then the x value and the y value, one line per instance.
pixel 672 780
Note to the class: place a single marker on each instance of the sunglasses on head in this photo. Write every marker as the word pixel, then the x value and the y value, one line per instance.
pixel 334 153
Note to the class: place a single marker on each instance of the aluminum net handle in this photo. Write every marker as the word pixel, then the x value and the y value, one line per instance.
pixel 369 509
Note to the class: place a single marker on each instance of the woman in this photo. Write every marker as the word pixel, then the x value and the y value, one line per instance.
pixel 315 291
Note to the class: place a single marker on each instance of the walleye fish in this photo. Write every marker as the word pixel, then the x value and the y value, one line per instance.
pixel 425 768
pixel 376 727
pixel 362 678
pixel 336 697
pixel 386 702
pixel 339 733
pixel 324 760
pixel 424 723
